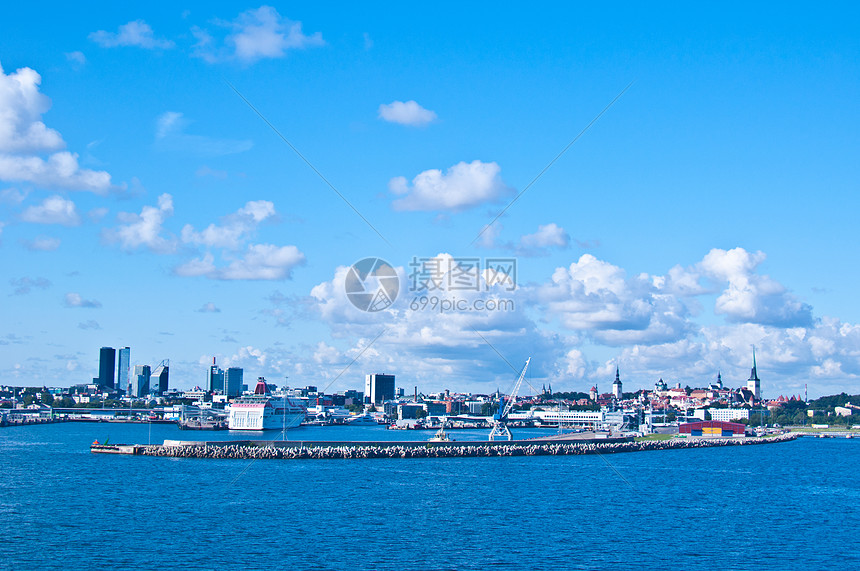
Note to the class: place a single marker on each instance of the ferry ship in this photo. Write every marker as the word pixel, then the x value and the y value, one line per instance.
pixel 264 411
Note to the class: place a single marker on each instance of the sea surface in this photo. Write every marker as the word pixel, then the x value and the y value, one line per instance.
pixel 792 505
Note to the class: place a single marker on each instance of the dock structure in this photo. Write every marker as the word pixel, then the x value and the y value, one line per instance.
pixel 317 450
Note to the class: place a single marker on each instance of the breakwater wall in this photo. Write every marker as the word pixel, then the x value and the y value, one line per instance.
pixel 342 451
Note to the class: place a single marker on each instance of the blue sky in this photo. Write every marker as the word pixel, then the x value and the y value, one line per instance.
pixel 711 208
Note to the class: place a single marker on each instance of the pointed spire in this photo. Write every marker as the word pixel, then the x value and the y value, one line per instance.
pixel 617 374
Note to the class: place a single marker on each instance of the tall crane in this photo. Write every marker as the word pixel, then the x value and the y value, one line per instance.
pixel 500 428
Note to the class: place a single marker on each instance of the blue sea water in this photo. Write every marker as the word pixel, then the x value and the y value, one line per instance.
pixel 792 505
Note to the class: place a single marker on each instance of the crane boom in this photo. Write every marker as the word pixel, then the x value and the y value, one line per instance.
pixel 500 430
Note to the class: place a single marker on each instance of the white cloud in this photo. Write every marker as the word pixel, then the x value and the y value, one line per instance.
pixel 21 109
pixel 89 324
pixel 60 170
pixel 234 228
pixel 406 113
pixel 53 210
pixel 23 137
pixel 255 34
pixel 259 262
pixel 463 186
pixel 75 300
pixel 263 262
pixel 42 244
pixel 144 229
pixel 548 236
pixel 198 267
pixel 170 135
pixel 432 347
pixel 208 308
pixel 135 33
pixel 751 297
pixel 597 297
pixel 77 59
pixel 530 245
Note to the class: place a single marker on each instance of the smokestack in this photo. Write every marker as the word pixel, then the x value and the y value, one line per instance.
pixel 213 361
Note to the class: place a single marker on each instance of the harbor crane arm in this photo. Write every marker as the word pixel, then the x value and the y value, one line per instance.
pixel 500 431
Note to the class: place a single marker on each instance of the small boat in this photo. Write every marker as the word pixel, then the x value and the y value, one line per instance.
pixel 362 420
pixel 440 436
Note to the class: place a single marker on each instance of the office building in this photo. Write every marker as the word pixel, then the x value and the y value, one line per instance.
pixel 233 381
pixel 378 388
pixel 107 366
pixel 122 366
pixel 139 387
pixel 159 380
pixel 215 379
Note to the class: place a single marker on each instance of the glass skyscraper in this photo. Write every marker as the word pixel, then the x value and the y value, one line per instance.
pixel 122 366
pixel 107 366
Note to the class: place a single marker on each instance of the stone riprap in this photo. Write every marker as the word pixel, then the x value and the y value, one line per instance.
pixel 309 451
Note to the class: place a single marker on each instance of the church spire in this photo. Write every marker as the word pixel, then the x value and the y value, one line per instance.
pixel 753 372
pixel 617 374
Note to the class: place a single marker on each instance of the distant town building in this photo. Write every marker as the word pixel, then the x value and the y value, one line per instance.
pixel 616 386
pixel 107 366
pixel 158 384
pixel 378 388
pixel 592 394
pixel 122 366
pixel 233 380
pixel 139 386
pixel 754 384
pixel 215 378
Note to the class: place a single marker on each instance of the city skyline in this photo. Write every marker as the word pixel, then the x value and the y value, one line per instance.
pixel 196 183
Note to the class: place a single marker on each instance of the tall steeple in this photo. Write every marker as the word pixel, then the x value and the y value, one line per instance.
pixel 754 384
pixel 753 372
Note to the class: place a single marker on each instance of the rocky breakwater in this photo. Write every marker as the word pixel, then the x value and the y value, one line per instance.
pixel 347 451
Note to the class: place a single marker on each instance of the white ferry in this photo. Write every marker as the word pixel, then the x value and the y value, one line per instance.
pixel 264 411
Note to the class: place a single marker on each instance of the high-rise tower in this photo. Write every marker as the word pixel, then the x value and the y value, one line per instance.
pixel 107 367
pixel 122 366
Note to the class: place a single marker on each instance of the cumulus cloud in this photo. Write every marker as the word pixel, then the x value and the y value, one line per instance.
pixel 21 109
pixel 53 210
pixel 136 33
pixel 406 113
pixel 25 285
pixel 42 244
pixel 208 308
pixel 259 262
pixel 595 296
pixel 60 170
pixel 234 228
pixel 75 300
pixel 435 347
pixel 256 34
pixel 751 297
pixel 170 135
pixel 547 237
pixel 144 229
pixel 463 186
pixel 24 137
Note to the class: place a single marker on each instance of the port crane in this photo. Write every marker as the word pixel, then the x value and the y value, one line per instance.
pixel 500 429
